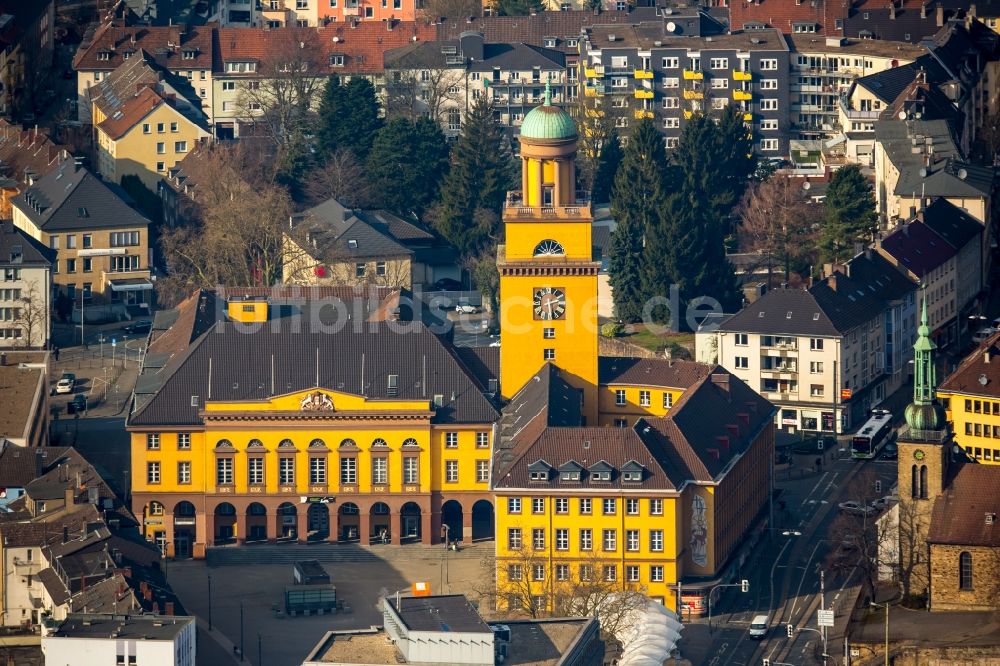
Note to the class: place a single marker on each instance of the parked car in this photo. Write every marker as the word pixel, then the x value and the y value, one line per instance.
pixel 77 404
pixel 66 383
pixel 144 326
pixel 982 334
pixel 857 508
pixel 884 502
pixel 448 284
pixel 758 627
pixel 465 307
pixel 890 451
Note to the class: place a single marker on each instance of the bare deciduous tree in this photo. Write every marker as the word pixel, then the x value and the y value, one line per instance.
pixel 595 119
pixel 458 9
pixel 778 221
pixel 431 92
pixel 31 316
pixel 342 178
pixel 857 541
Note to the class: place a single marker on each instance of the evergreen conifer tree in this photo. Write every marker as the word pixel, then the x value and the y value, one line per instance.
pixel 406 164
pixel 348 117
pixel 850 214
pixel 607 166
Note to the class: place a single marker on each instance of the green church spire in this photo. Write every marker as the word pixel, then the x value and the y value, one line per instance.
pixel 924 413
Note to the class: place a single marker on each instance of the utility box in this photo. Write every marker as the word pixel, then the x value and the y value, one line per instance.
pixel 309 572
pixel 310 600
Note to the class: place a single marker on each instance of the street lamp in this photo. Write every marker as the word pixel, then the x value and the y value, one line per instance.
pixel 886 604
pixel 210 602
pixel 744 586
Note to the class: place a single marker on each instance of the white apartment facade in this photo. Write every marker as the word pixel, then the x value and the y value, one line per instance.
pixel 105 639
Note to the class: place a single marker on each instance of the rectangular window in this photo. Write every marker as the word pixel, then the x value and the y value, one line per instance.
pixel 513 505
pixel 255 471
pixel 620 397
pixel 411 469
pixel 769 104
pixel 671 82
pixel 621 423
pixel 671 63
pixel 224 471
pixel 632 506
pixel 671 102
pixel 183 441
pixel 718 63
pixel 656 541
pixel 586 572
pixel 610 573
pixel 380 470
pixel 632 573
pixel 538 538
pixel 482 471
pixel 548 354
pixel 562 505
pixel 562 539
pixel 769 84
pixel 180 146
pixel 286 471
pixel 632 540
pixel 816 344
pixel 719 84
pixel 816 367
pixel 161 148
pixel 359 270
pixel 671 123
pixel 585 505
pixel 538 573
pixel 562 572
pixel 816 390
pixel 769 124
pixel 768 64
pixel 153 441
pixel 609 506
pixel 451 471
pixel 348 470
pixel 668 400
pixel 145 128
pixel 482 440
pixel 549 333
pixel 451 440
pixel 656 573
pixel 586 539
pixel 768 144
pixel 152 472
pixel 656 507
pixel 609 540
pixel 644 398
pixel 514 538
pixel 514 572
pixel 537 505
pixel 742 362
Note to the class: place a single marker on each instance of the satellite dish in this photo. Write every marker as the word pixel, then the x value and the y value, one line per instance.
pixel 806 185
pixel 901 115
pixel 984 380
pixel 963 174
pixel 923 172
pixel 671 26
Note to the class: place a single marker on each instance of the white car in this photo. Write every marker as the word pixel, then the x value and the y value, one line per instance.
pixel 982 334
pixel 856 508
pixel 464 307
pixel 884 502
pixel 66 383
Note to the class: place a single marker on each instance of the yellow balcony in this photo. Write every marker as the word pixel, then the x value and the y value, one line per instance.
pixel 742 76
pixel 688 115
pixel 694 94
pixel 643 113
pixel 593 91
pixel 642 93
pixel 747 117
pixel 693 76
pixel 643 74
pixel 742 96
pixel 591 72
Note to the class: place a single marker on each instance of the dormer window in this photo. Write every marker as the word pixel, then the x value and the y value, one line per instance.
pixel 539 471
pixel 189 54
pixel 104 55
pixel 632 476
pixel 569 476
pixel 601 471
pixel 336 60
pixel 549 42
pixel 571 471
pixel 539 475
pixel 632 472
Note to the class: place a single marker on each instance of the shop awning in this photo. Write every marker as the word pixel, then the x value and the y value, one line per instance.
pixel 131 284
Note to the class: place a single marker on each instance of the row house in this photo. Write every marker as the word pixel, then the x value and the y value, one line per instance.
pixel 827 354
pixel 100 242
pixel 654 70
pixel 941 249
pixel 25 289
pixel 27 32
pixel 443 79
pixel 25 153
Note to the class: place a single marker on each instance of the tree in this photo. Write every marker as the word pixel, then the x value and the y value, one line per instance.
pixel 436 93
pixel 615 603
pixel 518 7
pixel 234 233
pixel 637 200
pixel 472 192
pixel 595 120
pixel 609 159
pixel 486 277
pixel 31 316
pixel 459 9
pixel 857 539
pixel 348 117
pixel 281 99
pixel 778 221
pixel 406 164
pixel 340 177
pixel 850 214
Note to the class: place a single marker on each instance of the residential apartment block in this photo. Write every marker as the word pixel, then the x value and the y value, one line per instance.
pixel 25 418
pixel 824 355
pixel 25 154
pixel 653 70
pixel 92 639
pixel 25 289
pixel 101 243
pixel 971 398
pixel 27 30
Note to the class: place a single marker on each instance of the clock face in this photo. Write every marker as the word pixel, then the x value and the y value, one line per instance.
pixel 918 455
pixel 549 303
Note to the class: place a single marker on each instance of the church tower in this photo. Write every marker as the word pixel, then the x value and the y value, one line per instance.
pixel 922 464
pixel 548 276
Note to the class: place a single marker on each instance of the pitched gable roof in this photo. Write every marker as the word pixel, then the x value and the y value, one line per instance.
pixel 174 47
pixel 626 370
pixel 24 151
pixel 959 515
pixel 783 312
pixel 951 223
pixel 917 248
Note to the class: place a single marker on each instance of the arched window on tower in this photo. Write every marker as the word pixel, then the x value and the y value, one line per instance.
pixel 923 482
pixel 914 487
pixel 965 571
pixel 549 248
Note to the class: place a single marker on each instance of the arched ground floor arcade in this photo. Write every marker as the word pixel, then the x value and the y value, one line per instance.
pixel 184 525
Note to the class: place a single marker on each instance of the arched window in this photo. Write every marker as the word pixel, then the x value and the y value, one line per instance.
pixel 286 444
pixel 914 487
pixel 224 444
pixel 347 442
pixel 317 444
pixel 410 442
pixel 549 248
pixel 155 509
pixel 379 443
pixel 255 444
pixel 923 482
pixel 965 571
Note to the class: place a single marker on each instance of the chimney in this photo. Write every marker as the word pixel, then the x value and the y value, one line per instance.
pixel 70 496
pixel 721 380
pixel 168 608
pixel 923 9
pixel 832 281
pixel 892 10
pixel 734 430
pixel 744 417
pixel 39 455
pixel 986 356
pixel 723 441
pixel 939 15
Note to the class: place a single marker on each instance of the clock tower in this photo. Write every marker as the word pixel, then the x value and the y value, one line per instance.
pixel 548 276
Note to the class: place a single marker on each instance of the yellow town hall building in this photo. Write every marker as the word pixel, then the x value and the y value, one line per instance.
pixel 344 415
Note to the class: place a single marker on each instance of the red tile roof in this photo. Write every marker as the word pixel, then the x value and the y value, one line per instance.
pixel 27 149
pixel 960 513
pixel 167 45
pixel 141 105
pixel 979 372
pixel 624 370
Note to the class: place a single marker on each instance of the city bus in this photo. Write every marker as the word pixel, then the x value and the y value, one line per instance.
pixel 869 439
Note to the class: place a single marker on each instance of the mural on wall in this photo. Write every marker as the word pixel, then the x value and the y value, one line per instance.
pixel 699 532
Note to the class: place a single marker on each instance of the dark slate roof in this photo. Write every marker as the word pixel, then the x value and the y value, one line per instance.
pixel 17 247
pixel 982 363
pixel 917 248
pixel 518 56
pixel 426 55
pixel 116 89
pixel 483 363
pixel 769 315
pixel 333 232
pixel 852 295
pixel 346 355
pixel 531 29
pixel 54 586
pixel 71 197
pixel 959 516
pixel 17 464
pixel 622 370
pixel 946 178
pixel 951 223
pixel 439 613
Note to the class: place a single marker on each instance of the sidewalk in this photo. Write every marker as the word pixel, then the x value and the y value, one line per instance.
pixel 106 382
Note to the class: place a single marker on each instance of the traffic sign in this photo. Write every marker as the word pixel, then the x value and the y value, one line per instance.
pixel 824 618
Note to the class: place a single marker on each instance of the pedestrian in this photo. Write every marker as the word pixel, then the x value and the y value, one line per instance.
pixel 55 352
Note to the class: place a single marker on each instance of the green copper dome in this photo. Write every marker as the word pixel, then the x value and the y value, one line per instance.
pixel 925 412
pixel 548 122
